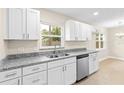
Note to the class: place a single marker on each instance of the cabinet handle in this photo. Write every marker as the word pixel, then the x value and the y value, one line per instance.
pixel 76 38
pixel 18 81
pixel 10 75
pixel 65 68
pixel 35 69
pixel 23 36
pixel 28 36
pixel 34 81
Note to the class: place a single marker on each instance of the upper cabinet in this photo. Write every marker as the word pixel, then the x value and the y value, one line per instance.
pixel 16 23
pixel 70 33
pixel 23 24
pixel 77 31
pixel 33 24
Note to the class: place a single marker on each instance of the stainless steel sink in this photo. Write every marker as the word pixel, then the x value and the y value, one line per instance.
pixel 57 55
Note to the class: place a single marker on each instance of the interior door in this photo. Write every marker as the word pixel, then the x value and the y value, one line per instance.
pixel 70 74
pixel 16 25
pixel 33 24
pixel 55 76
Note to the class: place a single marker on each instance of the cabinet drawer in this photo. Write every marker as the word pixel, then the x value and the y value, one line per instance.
pixel 10 74
pixel 69 60
pixel 35 79
pixel 16 81
pixel 55 63
pixel 35 68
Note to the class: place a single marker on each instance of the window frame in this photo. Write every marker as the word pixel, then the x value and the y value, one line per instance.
pixel 61 36
pixel 99 40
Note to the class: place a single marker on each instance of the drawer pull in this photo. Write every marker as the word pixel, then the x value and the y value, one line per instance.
pixel 10 75
pixel 37 80
pixel 35 69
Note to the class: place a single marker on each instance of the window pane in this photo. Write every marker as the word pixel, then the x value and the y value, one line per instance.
pixel 45 41
pixel 55 41
pixel 55 30
pixel 97 38
pixel 44 29
pixel 101 34
pixel 97 44
pixel 51 41
pixel 101 44
pixel 101 38
pixel 97 35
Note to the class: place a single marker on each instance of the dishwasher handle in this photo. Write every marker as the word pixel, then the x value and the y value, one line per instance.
pixel 82 56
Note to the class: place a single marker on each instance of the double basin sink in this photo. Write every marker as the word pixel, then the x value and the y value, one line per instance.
pixel 58 55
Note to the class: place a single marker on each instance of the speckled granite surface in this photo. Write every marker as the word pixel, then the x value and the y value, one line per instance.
pixel 18 62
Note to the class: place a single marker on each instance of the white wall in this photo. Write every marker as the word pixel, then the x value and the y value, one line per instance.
pixel 116 45
pixel 2 43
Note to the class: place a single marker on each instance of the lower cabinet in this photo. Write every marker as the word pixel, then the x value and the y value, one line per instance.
pixel 62 75
pixel 39 78
pixel 16 81
pixel 56 76
pixel 70 73
pixel 59 72
pixel 93 63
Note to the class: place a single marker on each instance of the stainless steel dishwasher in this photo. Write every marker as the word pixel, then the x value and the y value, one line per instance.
pixel 82 66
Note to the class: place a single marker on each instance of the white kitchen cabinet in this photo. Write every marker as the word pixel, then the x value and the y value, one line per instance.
pixel 22 24
pixel 16 23
pixel 35 68
pixel 70 33
pixel 16 81
pixel 33 24
pixel 70 73
pixel 82 32
pixel 35 79
pixel 10 74
pixel 93 63
pixel 56 76
pixel 77 31
pixel 64 74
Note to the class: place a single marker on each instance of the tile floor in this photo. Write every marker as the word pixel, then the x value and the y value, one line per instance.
pixel 111 72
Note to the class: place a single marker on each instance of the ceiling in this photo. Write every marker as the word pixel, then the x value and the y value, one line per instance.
pixel 107 17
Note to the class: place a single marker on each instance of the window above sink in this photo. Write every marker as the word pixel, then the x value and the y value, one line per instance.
pixel 51 35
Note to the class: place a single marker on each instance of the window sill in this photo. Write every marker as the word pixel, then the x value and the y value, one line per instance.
pixel 50 48
pixel 100 49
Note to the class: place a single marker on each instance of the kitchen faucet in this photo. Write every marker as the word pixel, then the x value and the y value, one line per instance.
pixel 54 52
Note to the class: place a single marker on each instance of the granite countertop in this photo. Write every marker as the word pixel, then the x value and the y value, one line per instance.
pixel 8 64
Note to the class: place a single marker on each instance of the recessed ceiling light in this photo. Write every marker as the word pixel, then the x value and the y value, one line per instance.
pixel 96 13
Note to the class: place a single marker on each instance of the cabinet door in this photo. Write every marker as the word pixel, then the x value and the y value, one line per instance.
pixel 70 30
pixel 35 79
pixel 12 82
pixel 95 60
pixel 93 63
pixel 82 32
pixel 88 32
pixel 55 76
pixel 33 24
pixel 78 35
pixel 16 26
pixel 70 73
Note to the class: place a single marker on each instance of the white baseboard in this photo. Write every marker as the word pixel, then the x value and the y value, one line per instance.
pixel 102 59
pixel 108 57
pixel 118 58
